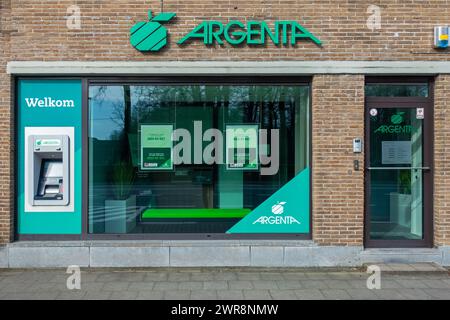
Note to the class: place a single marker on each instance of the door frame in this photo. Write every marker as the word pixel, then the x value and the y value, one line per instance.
pixel 428 145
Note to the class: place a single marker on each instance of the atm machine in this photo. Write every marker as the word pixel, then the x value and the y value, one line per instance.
pixel 49 170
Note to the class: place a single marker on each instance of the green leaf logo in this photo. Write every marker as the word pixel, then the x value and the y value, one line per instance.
pixel 397 118
pixel 151 35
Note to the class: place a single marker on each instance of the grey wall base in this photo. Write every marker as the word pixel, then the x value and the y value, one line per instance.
pixel 201 254
pixel 440 256
pixel 4 261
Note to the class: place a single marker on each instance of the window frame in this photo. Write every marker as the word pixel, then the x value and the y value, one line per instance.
pixel 389 102
pixel 399 80
pixel 186 80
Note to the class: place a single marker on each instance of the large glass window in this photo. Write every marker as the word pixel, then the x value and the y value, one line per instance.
pixel 191 158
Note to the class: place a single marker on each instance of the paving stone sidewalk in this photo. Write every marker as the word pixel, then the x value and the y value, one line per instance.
pixel 397 282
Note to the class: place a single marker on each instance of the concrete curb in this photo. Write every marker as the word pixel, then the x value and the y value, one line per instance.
pixel 177 254
pixel 130 254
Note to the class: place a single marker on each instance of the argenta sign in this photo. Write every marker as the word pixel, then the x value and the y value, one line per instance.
pixel 152 35
pixel 251 33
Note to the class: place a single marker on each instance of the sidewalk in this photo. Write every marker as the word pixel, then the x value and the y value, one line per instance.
pixel 397 282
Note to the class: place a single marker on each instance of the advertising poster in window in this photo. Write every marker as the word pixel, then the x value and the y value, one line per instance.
pixel 242 147
pixel 156 147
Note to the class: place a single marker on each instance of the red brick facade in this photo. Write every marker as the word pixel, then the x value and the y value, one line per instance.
pixel 442 161
pixel 6 131
pixel 338 190
pixel 36 31
pixel 39 32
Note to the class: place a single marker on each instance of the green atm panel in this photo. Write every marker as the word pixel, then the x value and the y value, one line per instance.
pixel 49 156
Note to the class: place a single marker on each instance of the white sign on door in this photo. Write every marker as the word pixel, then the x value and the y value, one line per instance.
pixel 396 152
pixel 420 113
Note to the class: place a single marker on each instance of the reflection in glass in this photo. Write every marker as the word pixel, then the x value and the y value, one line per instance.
pixel 396 90
pixel 124 199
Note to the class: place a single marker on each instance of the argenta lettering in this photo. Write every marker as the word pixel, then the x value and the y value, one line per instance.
pixel 393 129
pixel 276 220
pixel 49 103
pixel 251 33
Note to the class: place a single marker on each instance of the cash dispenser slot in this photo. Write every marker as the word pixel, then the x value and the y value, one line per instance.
pixel 50 172
pixel 50 180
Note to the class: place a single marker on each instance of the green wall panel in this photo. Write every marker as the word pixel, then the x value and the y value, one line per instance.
pixel 49 222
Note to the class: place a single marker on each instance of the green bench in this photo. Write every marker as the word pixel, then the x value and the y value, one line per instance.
pixel 194 213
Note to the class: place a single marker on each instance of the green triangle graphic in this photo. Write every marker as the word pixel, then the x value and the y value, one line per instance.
pixel 286 211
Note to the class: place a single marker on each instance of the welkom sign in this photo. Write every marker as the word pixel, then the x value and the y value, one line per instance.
pixel 152 35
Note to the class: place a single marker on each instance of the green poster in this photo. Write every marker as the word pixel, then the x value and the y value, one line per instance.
pixel 242 147
pixel 156 147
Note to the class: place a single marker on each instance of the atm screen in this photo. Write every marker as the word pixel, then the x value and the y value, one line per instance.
pixel 52 168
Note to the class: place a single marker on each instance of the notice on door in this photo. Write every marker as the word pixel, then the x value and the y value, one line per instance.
pixel 396 152
pixel 156 147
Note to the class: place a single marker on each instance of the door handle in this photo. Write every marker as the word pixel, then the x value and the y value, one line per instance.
pixel 398 168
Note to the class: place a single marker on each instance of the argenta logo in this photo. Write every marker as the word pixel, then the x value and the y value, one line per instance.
pixel 397 118
pixel 49 102
pixel 277 209
pixel 396 127
pixel 151 35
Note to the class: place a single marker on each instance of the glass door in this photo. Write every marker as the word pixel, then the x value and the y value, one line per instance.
pixel 398 175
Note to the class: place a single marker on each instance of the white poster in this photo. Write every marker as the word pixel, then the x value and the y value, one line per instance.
pixel 396 152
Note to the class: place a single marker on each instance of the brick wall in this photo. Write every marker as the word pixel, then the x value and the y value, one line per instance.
pixel 338 190
pixel 6 129
pixel 442 161
pixel 406 30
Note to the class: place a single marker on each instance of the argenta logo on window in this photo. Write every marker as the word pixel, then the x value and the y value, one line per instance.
pixel 397 118
pixel 277 218
pixel 285 211
pixel 396 125
pixel 152 36
pixel 49 102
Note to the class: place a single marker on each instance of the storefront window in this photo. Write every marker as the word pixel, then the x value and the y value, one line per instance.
pixel 167 159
